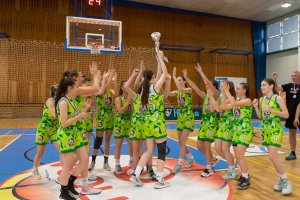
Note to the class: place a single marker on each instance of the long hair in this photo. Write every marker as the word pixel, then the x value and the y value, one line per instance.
pixel 246 87
pixel 53 89
pixel 215 83
pixel 62 88
pixel 146 86
pixel 231 88
pixel 271 82
pixel 121 85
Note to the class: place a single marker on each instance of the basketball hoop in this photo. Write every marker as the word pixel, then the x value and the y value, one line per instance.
pixel 96 47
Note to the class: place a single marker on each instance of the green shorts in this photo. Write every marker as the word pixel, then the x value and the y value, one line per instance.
pixel 122 127
pixel 105 122
pixel 208 129
pixel 242 133
pixel 81 139
pixel 45 132
pixel 242 138
pixel 89 124
pixel 136 128
pixel 66 139
pixel 155 126
pixel 225 131
pixel 272 137
pixel 185 120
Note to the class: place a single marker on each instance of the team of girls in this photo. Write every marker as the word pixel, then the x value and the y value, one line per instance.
pixel 139 117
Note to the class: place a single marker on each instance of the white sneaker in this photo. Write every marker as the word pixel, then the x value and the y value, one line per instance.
pixel 36 174
pixel 106 167
pixel 286 187
pixel 89 190
pixel 136 181
pixel 92 176
pixel 161 184
pixel 207 173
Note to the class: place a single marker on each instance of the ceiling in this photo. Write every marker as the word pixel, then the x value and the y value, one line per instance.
pixel 257 10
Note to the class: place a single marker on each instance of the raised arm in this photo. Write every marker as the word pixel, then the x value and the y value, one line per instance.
pixel 139 77
pixel 179 88
pixel 277 87
pixel 89 90
pixel 213 102
pixel 103 84
pixel 207 81
pixel 158 85
pixel 159 69
pixel 193 85
pixel 167 87
pixel 121 109
pixel 233 102
pixel 257 107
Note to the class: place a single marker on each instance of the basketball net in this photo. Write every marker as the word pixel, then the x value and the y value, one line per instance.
pixel 96 47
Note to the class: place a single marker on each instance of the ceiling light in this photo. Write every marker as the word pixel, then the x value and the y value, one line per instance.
pixel 286 5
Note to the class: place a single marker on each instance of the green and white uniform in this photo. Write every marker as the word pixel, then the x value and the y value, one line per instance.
pixel 47 127
pixel 105 115
pixel 155 123
pixel 209 123
pixel 80 135
pixel 122 121
pixel 271 128
pixel 185 120
pixel 242 127
pixel 137 119
pixel 225 127
pixel 66 136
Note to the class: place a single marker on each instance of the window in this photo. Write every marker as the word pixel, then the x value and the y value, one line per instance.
pixel 283 34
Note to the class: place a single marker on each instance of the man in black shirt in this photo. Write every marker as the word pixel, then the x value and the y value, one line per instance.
pixel 292 91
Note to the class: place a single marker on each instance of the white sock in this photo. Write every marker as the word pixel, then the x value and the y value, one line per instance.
pixel 283 176
pixel 117 161
pixel 180 160
pixel 85 182
pixel 189 156
pixel 138 171
pixel 159 176
pixel 245 175
pixel 209 167
pixel 231 168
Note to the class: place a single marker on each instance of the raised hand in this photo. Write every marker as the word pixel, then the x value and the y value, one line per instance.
pixel 93 67
pixel 168 77
pixel 174 72
pixel 160 54
pixel 142 66
pixel 184 72
pixel 136 72
pixel 255 103
pixel 274 76
pixel 199 68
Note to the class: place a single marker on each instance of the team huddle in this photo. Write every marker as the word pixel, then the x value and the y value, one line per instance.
pixel 135 111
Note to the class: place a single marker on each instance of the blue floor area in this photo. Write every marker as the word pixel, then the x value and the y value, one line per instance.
pixel 18 156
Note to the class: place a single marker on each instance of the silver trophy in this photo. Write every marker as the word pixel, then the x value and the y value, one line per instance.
pixel 156 37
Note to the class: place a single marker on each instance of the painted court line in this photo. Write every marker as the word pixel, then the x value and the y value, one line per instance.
pixel 10 143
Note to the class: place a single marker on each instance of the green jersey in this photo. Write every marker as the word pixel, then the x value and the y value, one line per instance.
pixel 105 103
pixel 155 102
pixel 184 100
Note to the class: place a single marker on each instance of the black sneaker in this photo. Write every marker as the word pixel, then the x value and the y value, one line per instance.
pixel 66 196
pixel 243 183
pixel 291 156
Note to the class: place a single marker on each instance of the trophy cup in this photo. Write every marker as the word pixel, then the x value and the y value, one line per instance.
pixel 156 37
